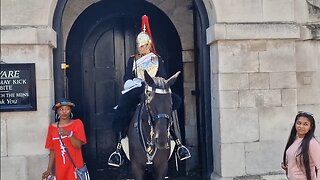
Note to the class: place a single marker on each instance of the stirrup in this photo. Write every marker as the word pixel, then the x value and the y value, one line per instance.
pixel 187 152
pixel 115 164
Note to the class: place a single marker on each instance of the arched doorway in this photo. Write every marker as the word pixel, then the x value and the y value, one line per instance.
pixel 99 44
pixel 202 69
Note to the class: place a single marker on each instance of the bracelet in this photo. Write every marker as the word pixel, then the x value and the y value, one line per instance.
pixel 70 135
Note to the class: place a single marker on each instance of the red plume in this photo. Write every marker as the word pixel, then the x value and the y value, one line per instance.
pixel 145 27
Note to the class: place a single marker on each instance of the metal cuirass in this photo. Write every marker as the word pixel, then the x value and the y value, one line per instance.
pixel 151 65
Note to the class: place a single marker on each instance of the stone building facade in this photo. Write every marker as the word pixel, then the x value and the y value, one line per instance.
pixel 264 67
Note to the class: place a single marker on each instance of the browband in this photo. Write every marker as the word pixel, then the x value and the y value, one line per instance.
pixel 158 91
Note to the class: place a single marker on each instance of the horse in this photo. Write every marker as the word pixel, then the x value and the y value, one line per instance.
pixel 149 129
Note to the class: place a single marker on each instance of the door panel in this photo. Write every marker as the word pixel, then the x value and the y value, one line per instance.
pixel 104 61
pixel 104 50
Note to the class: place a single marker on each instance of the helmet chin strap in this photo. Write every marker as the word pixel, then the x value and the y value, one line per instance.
pixel 149 46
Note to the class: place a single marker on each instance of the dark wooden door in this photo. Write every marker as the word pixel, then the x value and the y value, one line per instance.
pixel 105 52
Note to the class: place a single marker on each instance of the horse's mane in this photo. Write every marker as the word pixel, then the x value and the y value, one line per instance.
pixel 160 82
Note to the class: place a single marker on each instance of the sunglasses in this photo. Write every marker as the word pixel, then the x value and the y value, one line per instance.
pixel 304 112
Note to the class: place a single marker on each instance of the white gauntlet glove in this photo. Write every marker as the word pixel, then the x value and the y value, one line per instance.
pixel 128 84
pixel 131 84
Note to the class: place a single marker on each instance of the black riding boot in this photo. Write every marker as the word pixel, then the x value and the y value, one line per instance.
pixel 182 151
pixel 115 158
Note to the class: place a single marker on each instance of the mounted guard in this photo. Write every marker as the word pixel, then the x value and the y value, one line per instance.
pixel 147 60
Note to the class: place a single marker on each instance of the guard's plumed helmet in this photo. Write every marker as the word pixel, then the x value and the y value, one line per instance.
pixel 145 37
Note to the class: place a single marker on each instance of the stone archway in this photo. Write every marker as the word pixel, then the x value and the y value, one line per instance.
pixel 188 57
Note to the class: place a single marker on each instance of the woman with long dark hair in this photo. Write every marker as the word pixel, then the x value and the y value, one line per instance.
pixel 301 157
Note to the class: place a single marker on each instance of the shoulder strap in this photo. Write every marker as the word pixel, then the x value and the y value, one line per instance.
pixel 134 63
pixel 65 148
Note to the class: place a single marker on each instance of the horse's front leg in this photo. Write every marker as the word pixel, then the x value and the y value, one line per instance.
pixel 138 170
pixel 161 171
pixel 161 165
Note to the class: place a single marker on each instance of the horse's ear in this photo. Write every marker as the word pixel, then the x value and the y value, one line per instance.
pixel 148 78
pixel 173 79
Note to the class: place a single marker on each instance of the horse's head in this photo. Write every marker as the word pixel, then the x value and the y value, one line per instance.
pixel 159 104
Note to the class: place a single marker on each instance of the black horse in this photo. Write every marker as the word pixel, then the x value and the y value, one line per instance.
pixel 149 130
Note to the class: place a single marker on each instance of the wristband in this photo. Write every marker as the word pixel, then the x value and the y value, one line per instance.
pixel 70 135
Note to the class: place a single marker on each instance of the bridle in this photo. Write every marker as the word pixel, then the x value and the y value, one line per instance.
pixel 152 149
pixel 152 117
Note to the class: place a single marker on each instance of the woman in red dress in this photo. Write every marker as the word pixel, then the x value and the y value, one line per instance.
pixel 73 136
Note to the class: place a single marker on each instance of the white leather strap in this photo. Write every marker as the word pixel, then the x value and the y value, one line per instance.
pixel 159 91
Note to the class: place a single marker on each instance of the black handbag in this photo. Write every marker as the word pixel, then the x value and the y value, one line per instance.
pixel 82 173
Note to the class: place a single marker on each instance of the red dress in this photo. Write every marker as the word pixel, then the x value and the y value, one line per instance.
pixel 63 165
